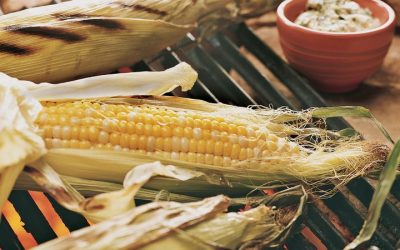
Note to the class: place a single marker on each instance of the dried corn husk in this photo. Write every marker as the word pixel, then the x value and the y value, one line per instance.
pixel 198 225
pixel 85 37
pixel 19 141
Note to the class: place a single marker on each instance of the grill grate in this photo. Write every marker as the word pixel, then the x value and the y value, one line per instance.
pixel 213 59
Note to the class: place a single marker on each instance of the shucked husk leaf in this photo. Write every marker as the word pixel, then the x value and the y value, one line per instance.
pixel 105 205
pixel 198 225
pixel 19 140
pixel 86 37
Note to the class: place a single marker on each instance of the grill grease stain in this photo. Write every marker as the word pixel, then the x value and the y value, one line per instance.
pixel 46 32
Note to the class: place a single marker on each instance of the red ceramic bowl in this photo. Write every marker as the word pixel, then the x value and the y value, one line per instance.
pixel 335 62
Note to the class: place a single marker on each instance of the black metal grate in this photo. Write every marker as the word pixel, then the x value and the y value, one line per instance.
pixel 213 59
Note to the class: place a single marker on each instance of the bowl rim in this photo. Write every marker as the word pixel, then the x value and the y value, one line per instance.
pixel 390 21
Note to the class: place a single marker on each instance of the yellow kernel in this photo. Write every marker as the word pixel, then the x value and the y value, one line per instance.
pixel 201 146
pixel 214 125
pixel 191 157
pixel 74 143
pixel 167 146
pixel 242 131
pixel 218 161
pixel 272 146
pixel 66 132
pixel 178 131
pixel 133 141
pixel 149 119
pixel 192 145
pixel 206 124
pixel 227 149
pixel 139 128
pixel 224 136
pixel 131 127
pixel 226 161
pixel 189 122
pixel 235 151
pixel 166 131
pixel 197 123
pixel 223 127
pixel 219 148
pixel 183 156
pixel 243 142
pixel 184 142
pixel 122 126
pixel 48 142
pixel 209 159
pixel 122 116
pixel 200 158
pixel 48 131
pixel 115 138
pixel 52 120
pixel 139 118
pixel 187 132
pixel 232 129
pixel 63 120
pixel 156 131
pixel 84 133
pixel 148 129
pixel 197 133
pixel 243 154
pixel 206 134
pixel 250 153
pixel 84 145
pixel 94 134
pixel 233 138
pixel 124 140
pixel 159 143
pixel 65 144
pixel 142 142
pixel 57 132
pixel 210 147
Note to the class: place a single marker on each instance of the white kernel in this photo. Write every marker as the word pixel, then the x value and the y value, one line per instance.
pixel 185 144
pixel 175 156
pixel 117 148
pixel 56 143
pixel 75 121
pixel 197 133
pixel 103 137
pixel 131 116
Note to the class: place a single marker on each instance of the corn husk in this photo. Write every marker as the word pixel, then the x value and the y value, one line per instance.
pixel 19 142
pixel 86 37
pixel 197 225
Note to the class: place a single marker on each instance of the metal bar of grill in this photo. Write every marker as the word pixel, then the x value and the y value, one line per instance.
pixel 214 59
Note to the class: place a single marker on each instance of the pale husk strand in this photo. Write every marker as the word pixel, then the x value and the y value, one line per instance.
pixel 19 142
pixel 104 206
pixel 137 83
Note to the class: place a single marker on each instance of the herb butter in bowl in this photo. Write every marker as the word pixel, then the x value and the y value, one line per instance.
pixel 337 44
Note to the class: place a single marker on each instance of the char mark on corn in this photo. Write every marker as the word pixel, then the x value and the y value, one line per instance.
pixel 140 7
pixel 91 20
pixel 12 49
pixel 46 32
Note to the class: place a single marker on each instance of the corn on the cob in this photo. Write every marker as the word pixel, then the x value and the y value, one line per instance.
pixel 153 130
pixel 65 41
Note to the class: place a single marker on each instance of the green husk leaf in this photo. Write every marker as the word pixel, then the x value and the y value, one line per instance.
pixel 385 183
pixel 350 111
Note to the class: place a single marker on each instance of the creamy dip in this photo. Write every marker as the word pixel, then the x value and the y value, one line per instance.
pixel 337 16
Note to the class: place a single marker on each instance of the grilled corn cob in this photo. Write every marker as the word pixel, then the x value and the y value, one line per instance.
pixel 86 37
